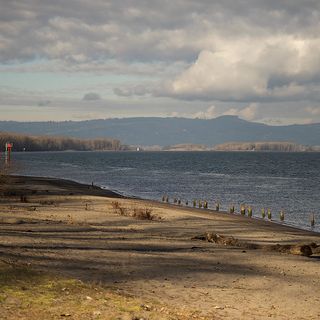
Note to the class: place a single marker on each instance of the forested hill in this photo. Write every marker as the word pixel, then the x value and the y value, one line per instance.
pixel 171 131
pixel 48 143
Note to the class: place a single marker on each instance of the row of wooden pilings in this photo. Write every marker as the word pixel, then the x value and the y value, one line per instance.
pixel 244 210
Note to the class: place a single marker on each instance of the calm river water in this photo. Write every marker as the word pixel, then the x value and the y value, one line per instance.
pixel 279 181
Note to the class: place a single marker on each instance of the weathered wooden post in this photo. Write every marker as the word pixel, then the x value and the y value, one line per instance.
pixel 243 210
pixel 200 204
pixel 163 198
pixel 167 199
pixel 312 220
pixel 217 206
pixel 269 214
pixel 231 210
pixel 250 212
pixel 281 215
pixel 179 202
pixel 263 213
pixel 205 204
pixel 194 202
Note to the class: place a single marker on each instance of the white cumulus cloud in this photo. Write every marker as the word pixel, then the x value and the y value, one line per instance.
pixel 313 110
pixel 210 113
pixel 273 68
pixel 249 113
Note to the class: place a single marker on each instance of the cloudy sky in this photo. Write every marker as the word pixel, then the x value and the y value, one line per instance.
pixel 80 59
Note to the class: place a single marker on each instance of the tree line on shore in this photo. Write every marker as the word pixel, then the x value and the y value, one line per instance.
pixel 52 143
pixel 265 146
pixel 277 146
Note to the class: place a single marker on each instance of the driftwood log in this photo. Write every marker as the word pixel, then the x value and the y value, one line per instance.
pixel 297 249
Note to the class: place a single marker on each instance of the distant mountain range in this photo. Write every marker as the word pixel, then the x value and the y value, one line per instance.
pixel 171 131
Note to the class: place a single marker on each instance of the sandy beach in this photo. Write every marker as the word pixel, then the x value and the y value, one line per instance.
pixel 156 253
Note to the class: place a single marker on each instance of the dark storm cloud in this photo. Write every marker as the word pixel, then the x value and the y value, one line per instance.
pixel 246 50
pixel 91 96
pixel 79 31
pixel 43 103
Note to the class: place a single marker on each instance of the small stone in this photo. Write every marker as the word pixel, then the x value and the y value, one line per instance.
pixel 218 307
pixel 89 298
pixel 145 307
pixel 13 301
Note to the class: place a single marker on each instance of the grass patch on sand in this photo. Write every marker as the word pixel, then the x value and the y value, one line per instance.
pixel 29 294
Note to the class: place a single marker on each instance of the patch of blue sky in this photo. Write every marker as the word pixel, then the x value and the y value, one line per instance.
pixel 67 84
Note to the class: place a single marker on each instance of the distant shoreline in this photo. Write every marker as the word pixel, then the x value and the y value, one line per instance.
pixel 168 151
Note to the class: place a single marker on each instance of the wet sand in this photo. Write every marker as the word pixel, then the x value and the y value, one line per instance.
pixel 95 235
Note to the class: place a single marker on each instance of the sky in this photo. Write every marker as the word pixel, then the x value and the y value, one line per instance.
pixel 80 59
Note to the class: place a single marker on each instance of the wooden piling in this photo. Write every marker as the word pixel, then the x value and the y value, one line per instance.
pixel 312 220
pixel 281 215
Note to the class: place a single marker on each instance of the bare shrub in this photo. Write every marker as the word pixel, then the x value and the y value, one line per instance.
pixel 115 205
pixel 118 209
pixel 143 214
pixel 137 213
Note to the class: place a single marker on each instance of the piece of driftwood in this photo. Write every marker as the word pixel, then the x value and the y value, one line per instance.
pixel 297 249
pixel 300 250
